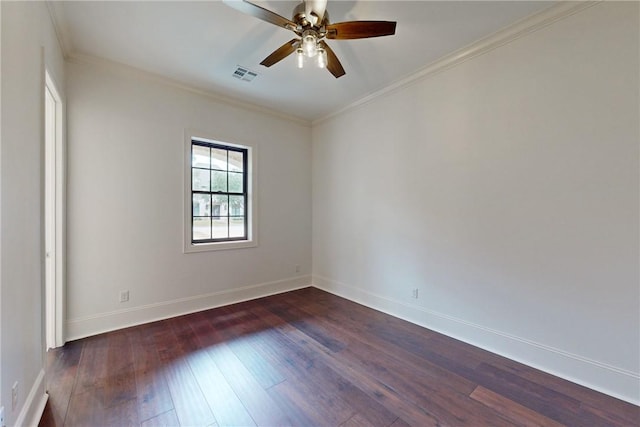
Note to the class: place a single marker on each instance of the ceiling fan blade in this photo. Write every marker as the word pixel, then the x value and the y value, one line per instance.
pixel 333 64
pixel 261 13
pixel 280 53
pixel 314 11
pixel 360 29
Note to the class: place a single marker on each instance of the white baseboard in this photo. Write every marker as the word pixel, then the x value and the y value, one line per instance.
pixel 34 403
pixel 604 378
pixel 104 322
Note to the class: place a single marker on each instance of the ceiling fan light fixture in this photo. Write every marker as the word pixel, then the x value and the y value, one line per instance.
pixel 322 58
pixel 309 45
pixel 300 57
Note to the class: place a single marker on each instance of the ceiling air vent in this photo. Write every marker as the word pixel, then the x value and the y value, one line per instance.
pixel 244 74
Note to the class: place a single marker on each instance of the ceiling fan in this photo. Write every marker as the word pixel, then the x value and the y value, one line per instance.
pixel 311 24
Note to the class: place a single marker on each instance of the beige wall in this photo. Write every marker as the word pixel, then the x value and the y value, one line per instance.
pixel 28 43
pixel 125 201
pixel 504 189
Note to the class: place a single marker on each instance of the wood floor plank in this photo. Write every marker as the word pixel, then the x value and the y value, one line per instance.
pixel 86 409
pixel 238 336
pixel 260 369
pixel 357 421
pixel 623 413
pixel 189 403
pixel 119 385
pixel 408 357
pixel 322 375
pixel 123 415
pixel 451 407
pixel 255 399
pixel 611 416
pixel 307 386
pixel 511 410
pixel 361 316
pixel 447 405
pixel 400 423
pixel 166 419
pixel 288 400
pixel 297 319
pixel 388 398
pixel 306 358
pixel 450 404
pixel 152 391
pixel 62 372
pixel 310 350
pixel 557 406
pixel 92 372
pixel 227 408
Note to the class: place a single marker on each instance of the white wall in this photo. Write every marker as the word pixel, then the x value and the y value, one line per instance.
pixel 125 196
pixel 506 190
pixel 27 33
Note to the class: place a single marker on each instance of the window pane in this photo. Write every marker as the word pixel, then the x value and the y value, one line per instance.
pixel 219 192
pixel 200 157
pixel 236 205
pixel 235 182
pixel 218 181
pixel 201 228
pixel 201 205
pixel 236 226
pixel 220 205
pixel 201 178
pixel 221 227
pixel 218 159
pixel 236 161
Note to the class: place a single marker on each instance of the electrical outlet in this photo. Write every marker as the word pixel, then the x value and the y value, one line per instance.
pixel 297 269
pixel 124 296
pixel 414 294
pixel 14 396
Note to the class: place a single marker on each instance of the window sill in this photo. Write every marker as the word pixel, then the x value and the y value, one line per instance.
pixel 219 246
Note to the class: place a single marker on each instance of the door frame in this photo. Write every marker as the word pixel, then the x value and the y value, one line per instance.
pixel 54 213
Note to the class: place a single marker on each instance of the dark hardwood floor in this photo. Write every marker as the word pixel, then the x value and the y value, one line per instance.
pixel 306 358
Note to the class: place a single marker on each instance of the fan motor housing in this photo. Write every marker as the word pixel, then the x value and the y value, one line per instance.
pixel 300 17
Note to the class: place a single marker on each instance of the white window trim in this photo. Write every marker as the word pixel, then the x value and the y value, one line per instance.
pixel 252 209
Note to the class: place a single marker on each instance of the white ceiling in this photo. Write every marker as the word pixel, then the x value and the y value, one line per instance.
pixel 201 44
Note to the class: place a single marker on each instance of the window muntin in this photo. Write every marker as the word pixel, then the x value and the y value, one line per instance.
pixel 219 193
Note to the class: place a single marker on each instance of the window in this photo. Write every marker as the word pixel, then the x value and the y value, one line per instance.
pixel 220 180
pixel 218 192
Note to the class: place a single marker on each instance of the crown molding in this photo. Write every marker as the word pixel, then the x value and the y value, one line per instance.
pixel 60 27
pixel 502 37
pixel 118 67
